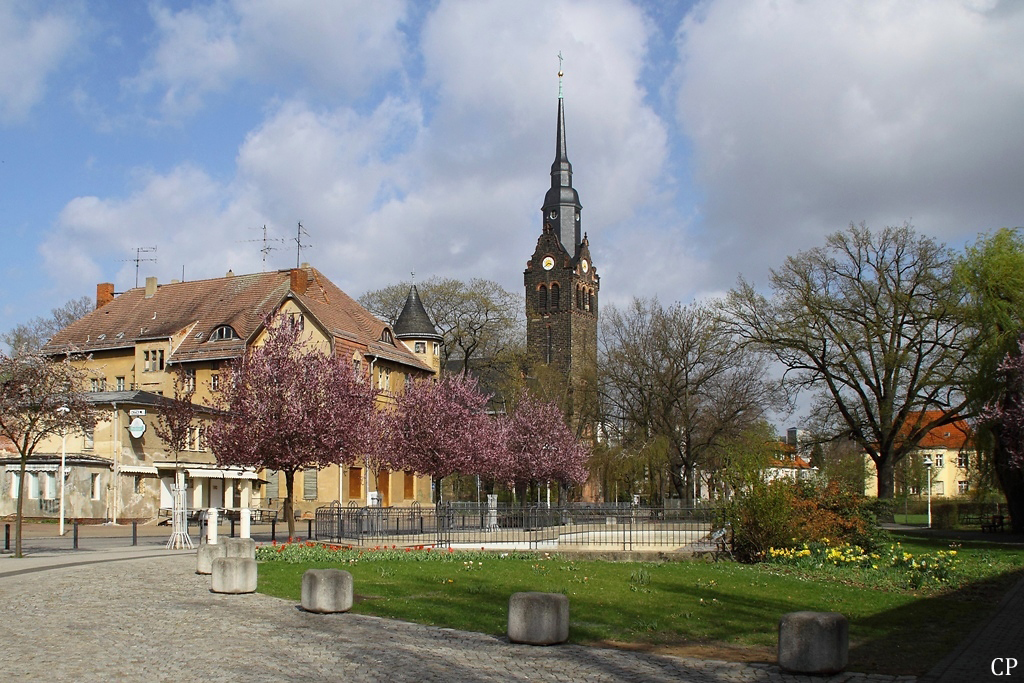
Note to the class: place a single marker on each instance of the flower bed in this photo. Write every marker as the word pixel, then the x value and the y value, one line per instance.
pixel 939 567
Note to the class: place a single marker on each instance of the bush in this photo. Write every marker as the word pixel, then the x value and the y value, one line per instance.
pixel 785 514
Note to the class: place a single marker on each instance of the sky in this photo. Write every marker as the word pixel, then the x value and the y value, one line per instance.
pixel 708 139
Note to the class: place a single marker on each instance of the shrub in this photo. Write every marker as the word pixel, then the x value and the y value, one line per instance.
pixel 785 514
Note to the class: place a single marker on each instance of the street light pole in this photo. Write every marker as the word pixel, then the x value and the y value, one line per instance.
pixel 928 470
pixel 63 410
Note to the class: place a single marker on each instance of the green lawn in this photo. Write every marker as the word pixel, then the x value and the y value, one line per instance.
pixel 893 629
pixel 900 518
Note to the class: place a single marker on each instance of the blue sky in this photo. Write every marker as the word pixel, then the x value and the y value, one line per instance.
pixel 708 139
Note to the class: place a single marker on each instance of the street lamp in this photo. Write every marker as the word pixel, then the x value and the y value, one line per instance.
pixel 62 411
pixel 928 473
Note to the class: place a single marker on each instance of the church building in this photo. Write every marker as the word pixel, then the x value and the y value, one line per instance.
pixel 561 281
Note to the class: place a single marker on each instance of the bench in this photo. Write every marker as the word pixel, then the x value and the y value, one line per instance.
pixel 995 524
pixel 969 519
pixel 714 544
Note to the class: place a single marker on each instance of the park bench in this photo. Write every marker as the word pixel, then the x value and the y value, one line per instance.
pixel 714 544
pixel 994 524
pixel 970 519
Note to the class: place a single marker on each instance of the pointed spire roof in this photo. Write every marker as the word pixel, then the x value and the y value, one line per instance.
pixel 561 202
pixel 414 322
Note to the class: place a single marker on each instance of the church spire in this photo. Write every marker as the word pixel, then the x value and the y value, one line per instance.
pixel 562 206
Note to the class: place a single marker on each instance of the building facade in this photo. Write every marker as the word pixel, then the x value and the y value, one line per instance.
pixel 133 344
pixel 950 451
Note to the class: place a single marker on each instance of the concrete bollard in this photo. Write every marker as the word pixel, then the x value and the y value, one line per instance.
pixel 205 556
pixel 234 575
pixel 239 547
pixel 326 591
pixel 538 618
pixel 245 517
pixel 813 642
pixel 211 526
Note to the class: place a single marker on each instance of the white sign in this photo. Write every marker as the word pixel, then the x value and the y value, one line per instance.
pixel 137 428
pixel 136 412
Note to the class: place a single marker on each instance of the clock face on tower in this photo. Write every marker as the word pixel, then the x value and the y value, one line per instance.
pixel 548 263
pixel 584 265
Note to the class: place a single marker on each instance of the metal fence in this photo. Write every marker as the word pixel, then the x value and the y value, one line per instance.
pixel 517 527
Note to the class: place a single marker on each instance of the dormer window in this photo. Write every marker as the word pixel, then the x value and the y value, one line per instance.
pixel 386 337
pixel 223 332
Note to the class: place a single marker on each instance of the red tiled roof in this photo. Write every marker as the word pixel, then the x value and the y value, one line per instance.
pixel 953 436
pixel 189 312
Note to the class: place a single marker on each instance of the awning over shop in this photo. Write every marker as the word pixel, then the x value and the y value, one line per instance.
pixel 138 469
pixel 204 474
pixel 239 474
pixel 33 468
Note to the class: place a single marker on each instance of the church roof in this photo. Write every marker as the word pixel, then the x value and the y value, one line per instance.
pixel 414 322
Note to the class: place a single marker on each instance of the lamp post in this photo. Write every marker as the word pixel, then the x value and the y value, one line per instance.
pixel 63 410
pixel 928 473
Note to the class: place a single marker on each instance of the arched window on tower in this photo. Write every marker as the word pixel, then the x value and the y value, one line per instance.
pixel 579 297
pixel 542 298
pixel 555 299
pixel 593 302
pixel 586 299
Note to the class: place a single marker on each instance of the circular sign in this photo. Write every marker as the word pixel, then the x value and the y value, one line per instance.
pixel 137 427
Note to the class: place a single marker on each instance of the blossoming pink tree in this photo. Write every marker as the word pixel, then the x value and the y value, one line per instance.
pixel 1005 416
pixel 442 428
pixel 289 406
pixel 539 447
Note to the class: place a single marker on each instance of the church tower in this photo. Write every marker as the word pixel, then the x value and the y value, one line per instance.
pixel 561 281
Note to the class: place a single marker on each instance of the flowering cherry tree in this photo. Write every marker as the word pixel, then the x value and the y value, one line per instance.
pixel 442 428
pixel 539 447
pixel 289 406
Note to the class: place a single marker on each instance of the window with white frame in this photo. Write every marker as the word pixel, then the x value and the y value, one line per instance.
pixel 963 460
pixel 962 487
pixel 215 382
pixel 120 383
pixel 15 483
pixel 437 348
pixel 88 439
pixel 190 379
pixel 48 485
pixel 33 484
pixel 420 347
pixel 96 485
pixel 937 460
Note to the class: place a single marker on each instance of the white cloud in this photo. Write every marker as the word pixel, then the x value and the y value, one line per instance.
pixel 340 47
pixel 808 116
pixel 32 47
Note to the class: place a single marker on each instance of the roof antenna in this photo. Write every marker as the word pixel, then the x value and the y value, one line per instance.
pixel 139 251
pixel 266 248
pixel 298 243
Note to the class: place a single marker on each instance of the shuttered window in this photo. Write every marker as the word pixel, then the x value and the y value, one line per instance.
pixel 309 484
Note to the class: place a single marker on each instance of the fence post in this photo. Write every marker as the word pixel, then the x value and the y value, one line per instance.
pixel 232 527
pixel 7 536
pixel 309 529
pixel 135 533
pixel 74 543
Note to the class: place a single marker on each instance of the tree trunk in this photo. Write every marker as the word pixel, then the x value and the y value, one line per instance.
pixel 21 507
pixel 886 476
pixel 437 489
pixel 1011 480
pixel 289 505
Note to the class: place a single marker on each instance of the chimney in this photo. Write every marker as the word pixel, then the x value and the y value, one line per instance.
pixel 299 280
pixel 150 287
pixel 104 294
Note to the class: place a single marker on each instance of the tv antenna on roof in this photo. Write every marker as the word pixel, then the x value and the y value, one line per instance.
pixel 139 251
pixel 266 248
pixel 298 243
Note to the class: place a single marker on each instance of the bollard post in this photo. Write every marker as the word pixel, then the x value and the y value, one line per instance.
pixel 232 532
pixel 309 530
pixel 273 530
pixel 211 526
pixel 135 533
pixel 74 544
pixel 7 536
pixel 246 520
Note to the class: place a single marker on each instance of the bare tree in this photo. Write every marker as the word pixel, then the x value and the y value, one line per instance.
pixel 479 320
pixel 674 378
pixel 871 323
pixel 39 398
pixel 32 335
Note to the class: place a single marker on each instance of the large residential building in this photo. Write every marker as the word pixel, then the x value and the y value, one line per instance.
pixel 131 345
pixel 949 449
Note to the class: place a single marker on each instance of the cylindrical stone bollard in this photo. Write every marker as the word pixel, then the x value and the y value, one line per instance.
pixel 211 526
pixel 246 519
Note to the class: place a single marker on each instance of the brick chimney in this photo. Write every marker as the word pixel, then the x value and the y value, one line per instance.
pixel 299 280
pixel 104 294
pixel 150 286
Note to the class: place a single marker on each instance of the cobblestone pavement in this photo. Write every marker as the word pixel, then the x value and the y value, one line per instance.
pixel 154 619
